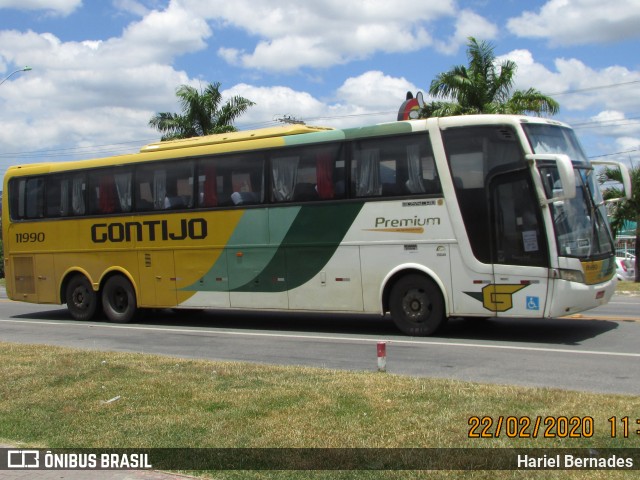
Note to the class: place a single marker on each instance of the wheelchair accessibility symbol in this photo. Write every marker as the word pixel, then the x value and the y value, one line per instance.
pixel 533 303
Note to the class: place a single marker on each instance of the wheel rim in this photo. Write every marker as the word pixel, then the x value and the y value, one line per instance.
pixel 81 298
pixel 416 305
pixel 119 300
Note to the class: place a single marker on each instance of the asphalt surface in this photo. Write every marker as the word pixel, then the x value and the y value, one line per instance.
pixel 595 351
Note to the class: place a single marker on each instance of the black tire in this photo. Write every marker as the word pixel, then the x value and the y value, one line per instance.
pixel 119 300
pixel 417 306
pixel 82 300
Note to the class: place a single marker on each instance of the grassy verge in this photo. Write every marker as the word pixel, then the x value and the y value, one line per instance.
pixel 628 287
pixel 54 397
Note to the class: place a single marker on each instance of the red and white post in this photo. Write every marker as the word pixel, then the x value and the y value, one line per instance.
pixel 382 356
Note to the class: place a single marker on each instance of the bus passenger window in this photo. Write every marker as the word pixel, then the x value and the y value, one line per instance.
pixel 27 198
pixel 230 180
pixel 247 187
pixel 208 184
pixel 284 173
pixel 163 186
pixel 150 188
pixel 247 179
pixel 365 172
pixel 78 194
pixel 179 185
pixel 307 174
pixel 55 203
pixel 102 193
pixel 392 167
pixel 110 191
pixel 35 198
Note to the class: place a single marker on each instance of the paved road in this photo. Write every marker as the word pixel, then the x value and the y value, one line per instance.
pixel 598 351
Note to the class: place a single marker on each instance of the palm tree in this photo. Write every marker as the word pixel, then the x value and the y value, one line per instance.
pixel 201 113
pixel 627 210
pixel 484 87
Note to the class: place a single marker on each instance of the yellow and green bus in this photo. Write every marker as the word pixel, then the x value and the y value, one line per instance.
pixel 474 216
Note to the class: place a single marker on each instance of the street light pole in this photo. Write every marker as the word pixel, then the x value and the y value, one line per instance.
pixel 23 69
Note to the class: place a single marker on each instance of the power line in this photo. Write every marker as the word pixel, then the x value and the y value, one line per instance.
pixel 589 89
pixel 76 150
pixel 601 122
pixel 617 153
pixel 97 149
pixel 623 123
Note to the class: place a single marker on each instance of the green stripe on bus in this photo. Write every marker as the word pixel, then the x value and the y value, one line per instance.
pixel 249 250
pixel 313 238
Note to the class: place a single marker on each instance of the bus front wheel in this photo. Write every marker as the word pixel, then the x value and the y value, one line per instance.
pixel 416 305
pixel 119 300
pixel 82 301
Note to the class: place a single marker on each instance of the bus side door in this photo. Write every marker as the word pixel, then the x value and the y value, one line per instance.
pixel 519 247
pixel 157 279
pixel 256 265
pixel 34 278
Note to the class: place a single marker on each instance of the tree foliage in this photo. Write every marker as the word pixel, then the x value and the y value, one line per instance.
pixel 202 113
pixel 626 210
pixel 484 86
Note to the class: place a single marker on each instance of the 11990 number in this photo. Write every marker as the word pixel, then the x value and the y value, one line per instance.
pixel 34 237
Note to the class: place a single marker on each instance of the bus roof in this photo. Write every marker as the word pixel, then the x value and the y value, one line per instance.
pixel 231 137
pixel 296 134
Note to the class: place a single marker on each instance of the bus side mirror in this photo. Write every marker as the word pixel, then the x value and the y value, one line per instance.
pixel 565 178
pixel 624 173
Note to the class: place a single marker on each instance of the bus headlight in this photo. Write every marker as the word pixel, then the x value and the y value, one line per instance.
pixel 572 275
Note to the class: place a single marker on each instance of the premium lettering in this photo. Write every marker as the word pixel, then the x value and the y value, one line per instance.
pixel 406 222
pixel 149 230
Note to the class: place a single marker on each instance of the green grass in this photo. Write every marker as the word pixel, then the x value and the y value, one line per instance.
pixel 628 287
pixel 55 397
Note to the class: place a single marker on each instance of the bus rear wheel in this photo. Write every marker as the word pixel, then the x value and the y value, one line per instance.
pixel 82 301
pixel 119 300
pixel 416 305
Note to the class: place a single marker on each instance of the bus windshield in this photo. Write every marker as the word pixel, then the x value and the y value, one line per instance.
pixel 579 223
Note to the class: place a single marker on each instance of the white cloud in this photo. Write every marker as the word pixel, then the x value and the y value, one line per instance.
pixel 159 37
pixel 369 98
pixel 104 91
pixel 131 6
pixel 324 33
pixel 595 102
pixel 576 22
pixel 57 7
pixel 627 144
pixel 273 102
pixel 468 24
pixel 615 124
pixel 375 90
pixel 95 91
pixel 586 87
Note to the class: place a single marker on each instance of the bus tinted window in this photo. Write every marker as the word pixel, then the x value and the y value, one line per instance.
pixel 476 154
pixel 307 174
pixel 110 191
pixel 27 198
pixel 35 198
pixel 231 180
pixel 57 200
pixel 164 186
pixel 389 167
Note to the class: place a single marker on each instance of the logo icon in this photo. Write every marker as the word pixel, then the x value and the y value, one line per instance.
pixel 533 303
pixel 23 459
pixel 498 297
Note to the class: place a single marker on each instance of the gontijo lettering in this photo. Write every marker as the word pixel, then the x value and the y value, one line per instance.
pixel 151 230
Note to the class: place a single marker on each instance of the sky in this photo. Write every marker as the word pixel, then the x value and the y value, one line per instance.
pixel 102 68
